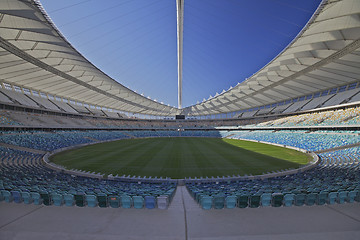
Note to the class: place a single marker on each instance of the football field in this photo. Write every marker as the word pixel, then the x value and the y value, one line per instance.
pixel 181 157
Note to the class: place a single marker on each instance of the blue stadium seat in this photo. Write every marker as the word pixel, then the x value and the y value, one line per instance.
pixel 150 202
pixel 17 196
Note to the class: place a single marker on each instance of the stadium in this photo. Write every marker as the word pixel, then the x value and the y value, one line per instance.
pixel 83 156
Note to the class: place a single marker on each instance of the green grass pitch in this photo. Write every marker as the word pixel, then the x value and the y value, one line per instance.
pixel 181 157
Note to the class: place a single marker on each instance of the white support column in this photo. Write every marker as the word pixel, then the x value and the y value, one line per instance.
pixel 180 24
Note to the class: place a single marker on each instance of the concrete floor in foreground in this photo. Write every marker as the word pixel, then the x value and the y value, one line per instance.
pixel 183 220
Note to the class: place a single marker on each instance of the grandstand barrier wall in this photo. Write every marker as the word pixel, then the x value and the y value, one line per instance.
pixel 181 182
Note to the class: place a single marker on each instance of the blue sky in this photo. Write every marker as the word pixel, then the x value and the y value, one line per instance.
pixel 225 41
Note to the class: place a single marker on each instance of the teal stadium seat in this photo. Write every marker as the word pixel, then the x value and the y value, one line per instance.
pixel 69 200
pixel 230 201
pixel 58 199
pixel 342 196
pixel 46 198
pixel 206 202
pixel 126 201
pixel 26 197
pixel 351 196
pixel 289 199
pixel 102 200
pixel 332 198
pixel 7 196
pixel 277 199
pixel 138 202
pixel 219 202
pixel 91 200
pixel 255 201
pixel 300 199
pixel 243 201
pixel 265 199
pixel 37 198
pixel 114 201
pixel 311 199
pixel 80 200
pixel 322 198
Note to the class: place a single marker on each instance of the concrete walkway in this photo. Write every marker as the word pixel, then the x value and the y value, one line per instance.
pixel 183 220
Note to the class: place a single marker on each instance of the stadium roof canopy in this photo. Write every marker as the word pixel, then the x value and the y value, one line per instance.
pixel 35 55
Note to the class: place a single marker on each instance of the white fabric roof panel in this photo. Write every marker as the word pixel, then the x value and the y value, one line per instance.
pixel 27 33
pixel 324 55
pixel 34 55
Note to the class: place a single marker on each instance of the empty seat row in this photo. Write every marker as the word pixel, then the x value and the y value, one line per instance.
pixel 81 200
pixel 277 199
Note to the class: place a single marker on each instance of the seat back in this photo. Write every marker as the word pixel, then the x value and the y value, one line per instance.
pixel 102 200
pixel 289 199
pixel 114 201
pixel 79 200
pixel 230 201
pixel 17 196
pixel 46 198
pixel 26 197
pixel 126 201
pixel 69 200
pixel 351 196
pixel 332 197
pixel 91 200
pixel 206 202
pixel 219 202
pixel 322 198
pixel 138 202
pixel 299 199
pixel 150 202
pixel 243 201
pixel 255 201
pixel 277 199
pixel 162 202
pixel 58 199
pixel 7 196
pixel 342 196
pixel 311 199
pixel 265 199
pixel 37 198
